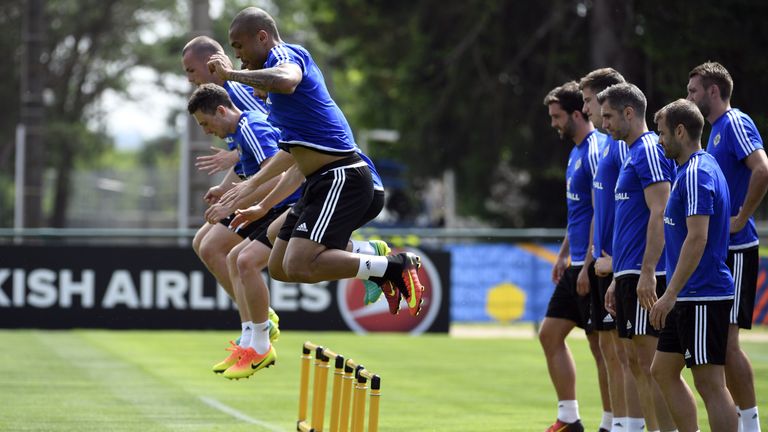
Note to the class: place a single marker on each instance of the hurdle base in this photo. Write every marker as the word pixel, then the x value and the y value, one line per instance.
pixel 303 426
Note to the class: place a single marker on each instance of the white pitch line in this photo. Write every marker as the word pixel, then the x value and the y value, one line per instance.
pixel 213 403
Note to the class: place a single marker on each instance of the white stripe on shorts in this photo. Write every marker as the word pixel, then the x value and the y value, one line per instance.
pixel 329 206
pixel 700 336
pixel 738 272
pixel 641 320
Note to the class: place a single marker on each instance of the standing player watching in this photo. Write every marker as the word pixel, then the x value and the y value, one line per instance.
pixel 693 312
pixel 736 145
pixel 339 192
pixel 627 415
pixel 642 190
pixel 569 305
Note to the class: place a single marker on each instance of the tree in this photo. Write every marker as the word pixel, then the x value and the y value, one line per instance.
pixel 90 45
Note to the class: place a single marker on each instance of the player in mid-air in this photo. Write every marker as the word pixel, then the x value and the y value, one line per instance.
pixel 569 305
pixel 256 140
pixel 213 241
pixel 339 194
pixel 692 314
pixel 736 145
pixel 642 190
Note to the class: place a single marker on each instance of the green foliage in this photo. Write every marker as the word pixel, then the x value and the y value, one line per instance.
pixel 463 81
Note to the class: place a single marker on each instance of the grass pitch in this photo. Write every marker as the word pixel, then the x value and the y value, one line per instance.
pixel 161 381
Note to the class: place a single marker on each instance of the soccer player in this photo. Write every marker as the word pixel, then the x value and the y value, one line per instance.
pixel 692 314
pixel 257 142
pixel 736 145
pixel 642 190
pixel 339 193
pixel 213 241
pixel 194 59
pixel 569 305
pixel 626 412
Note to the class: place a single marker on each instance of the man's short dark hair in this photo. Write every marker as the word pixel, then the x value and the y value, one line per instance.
pixel 682 112
pixel 207 97
pixel 568 96
pixel 600 79
pixel 624 95
pixel 713 73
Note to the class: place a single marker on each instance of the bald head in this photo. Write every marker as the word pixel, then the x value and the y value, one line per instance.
pixel 202 46
pixel 252 20
pixel 194 58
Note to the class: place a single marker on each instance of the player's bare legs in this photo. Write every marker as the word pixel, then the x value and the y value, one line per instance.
pixel 199 235
pixel 250 262
pixel 602 370
pixel 213 252
pixel 654 406
pixel 237 284
pixel 614 363
pixel 678 396
pixel 562 368
pixel 738 372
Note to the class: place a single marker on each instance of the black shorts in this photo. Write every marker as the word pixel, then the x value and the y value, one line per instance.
pixel 603 321
pixel 698 331
pixel 336 200
pixel 261 225
pixel 566 303
pixel 631 318
pixel 244 232
pixel 744 265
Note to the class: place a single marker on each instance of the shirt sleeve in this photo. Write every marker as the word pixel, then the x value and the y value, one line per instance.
pixel 258 142
pixel 699 190
pixel 743 137
pixel 593 156
pixel 651 165
pixel 280 55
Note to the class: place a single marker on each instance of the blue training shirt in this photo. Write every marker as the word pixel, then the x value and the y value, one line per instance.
pixel 242 97
pixel 256 140
pixel 582 164
pixel 644 166
pixel 603 186
pixel 733 138
pixel 308 117
pixel 700 189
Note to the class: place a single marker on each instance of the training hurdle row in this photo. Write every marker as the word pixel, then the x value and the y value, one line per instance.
pixel 346 370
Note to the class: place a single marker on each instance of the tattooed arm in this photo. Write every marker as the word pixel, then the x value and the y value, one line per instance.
pixel 283 78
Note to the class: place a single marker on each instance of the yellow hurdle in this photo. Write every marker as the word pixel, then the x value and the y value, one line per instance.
pixel 342 393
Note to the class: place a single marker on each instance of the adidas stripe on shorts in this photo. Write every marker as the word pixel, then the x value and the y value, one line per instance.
pixel 337 199
pixel 744 265
pixel 698 331
pixel 631 318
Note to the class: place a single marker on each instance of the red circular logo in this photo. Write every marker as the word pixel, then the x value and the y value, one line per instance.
pixel 376 317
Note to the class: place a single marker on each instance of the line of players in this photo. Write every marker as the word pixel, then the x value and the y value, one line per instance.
pixel 296 185
pixel 660 261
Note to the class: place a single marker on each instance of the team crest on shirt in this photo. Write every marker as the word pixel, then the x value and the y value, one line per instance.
pixel 717 139
pixel 578 164
pixel 605 152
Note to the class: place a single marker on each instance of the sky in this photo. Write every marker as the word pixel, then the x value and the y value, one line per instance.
pixel 131 122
